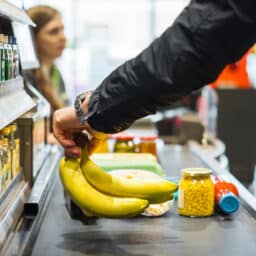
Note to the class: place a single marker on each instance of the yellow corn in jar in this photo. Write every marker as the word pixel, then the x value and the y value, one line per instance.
pixel 196 193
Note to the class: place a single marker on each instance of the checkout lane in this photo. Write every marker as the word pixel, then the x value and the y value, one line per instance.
pixel 169 234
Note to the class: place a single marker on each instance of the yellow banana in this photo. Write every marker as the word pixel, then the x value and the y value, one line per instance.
pixel 92 200
pixel 155 191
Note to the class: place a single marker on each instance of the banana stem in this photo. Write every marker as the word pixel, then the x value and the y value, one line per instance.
pixel 84 156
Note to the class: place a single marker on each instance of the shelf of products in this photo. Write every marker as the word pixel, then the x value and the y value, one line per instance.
pixel 15 101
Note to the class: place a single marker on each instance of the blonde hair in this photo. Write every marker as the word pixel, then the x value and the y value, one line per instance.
pixel 41 15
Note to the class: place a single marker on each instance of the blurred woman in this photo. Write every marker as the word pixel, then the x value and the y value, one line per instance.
pixel 50 41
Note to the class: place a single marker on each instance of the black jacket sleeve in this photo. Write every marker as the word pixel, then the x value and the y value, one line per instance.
pixel 205 37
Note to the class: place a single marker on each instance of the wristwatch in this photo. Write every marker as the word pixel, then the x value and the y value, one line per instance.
pixel 78 107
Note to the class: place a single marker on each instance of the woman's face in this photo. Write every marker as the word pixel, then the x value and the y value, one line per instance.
pixel 51 40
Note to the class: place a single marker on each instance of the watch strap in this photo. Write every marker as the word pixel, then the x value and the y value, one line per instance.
pixel 78 107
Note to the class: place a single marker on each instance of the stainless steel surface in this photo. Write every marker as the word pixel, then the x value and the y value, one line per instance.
pixel 214 148
pixel 168 235
pixel 41 187
pixel 9 189
pixel 14 101
pixel 14 212
pixel 11 12
pixel 23 237
pixel 40 153
pixel 42 105
pixel 11 206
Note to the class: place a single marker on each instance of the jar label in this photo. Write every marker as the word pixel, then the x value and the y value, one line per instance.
pixel 181 198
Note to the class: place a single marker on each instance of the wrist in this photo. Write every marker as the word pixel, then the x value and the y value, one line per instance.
pixel 81 106
pixel 82 113
pixel 85 106
pixel 96 134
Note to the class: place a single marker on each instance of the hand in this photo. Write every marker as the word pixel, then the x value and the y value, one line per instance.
pixel 66 125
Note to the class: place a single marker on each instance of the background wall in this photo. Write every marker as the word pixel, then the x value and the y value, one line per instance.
pixel 103 34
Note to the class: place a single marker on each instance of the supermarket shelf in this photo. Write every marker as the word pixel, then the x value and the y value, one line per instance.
pixel 11 12
pixel 11 205
pixel 10 86
pixel 14 101
pixel 10 187
pixel 24 235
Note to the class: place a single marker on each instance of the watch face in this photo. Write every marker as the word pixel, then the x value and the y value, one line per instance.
pixel 82 97
pixel 78 109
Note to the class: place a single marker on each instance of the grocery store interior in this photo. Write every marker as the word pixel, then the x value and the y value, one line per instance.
pixel 180 180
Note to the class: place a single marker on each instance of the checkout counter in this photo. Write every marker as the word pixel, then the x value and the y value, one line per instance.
pixel 51 231
pixel 39 223
pixel 171 234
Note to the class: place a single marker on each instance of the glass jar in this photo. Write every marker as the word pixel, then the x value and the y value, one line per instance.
pixel 147 144
pixel 5 144
pixel 2 162
pixel 196 193
pixel 15 142
pixel 124 144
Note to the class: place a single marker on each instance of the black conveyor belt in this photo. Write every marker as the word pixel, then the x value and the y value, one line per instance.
pixel 167 235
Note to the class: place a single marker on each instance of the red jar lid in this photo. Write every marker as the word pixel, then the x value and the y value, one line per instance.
pixel 149 137
pixel 123 136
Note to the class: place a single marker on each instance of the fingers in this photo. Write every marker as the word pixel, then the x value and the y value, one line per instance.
pixel 76 151
pixel 73 152
pixel 65 127
pixel 66 118
pixel 61 120
pixel 81 138
pixel 65 138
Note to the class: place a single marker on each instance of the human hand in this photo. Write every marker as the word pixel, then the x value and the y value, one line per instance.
pixel 66 126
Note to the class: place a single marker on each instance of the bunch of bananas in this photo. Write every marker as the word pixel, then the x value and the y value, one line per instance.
pixel 99 193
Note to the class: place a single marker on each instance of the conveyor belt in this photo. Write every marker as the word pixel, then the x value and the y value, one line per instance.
pixel 168 235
